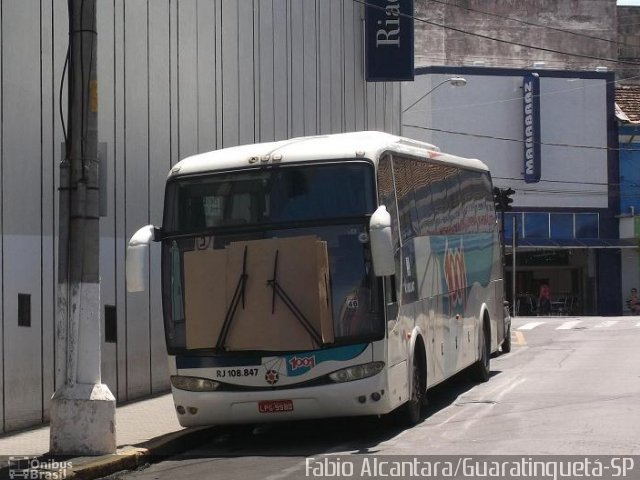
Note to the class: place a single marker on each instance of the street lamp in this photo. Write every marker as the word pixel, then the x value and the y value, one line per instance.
pixel 453 81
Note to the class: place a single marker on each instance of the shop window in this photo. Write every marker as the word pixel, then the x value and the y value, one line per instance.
pixel 536 225
pixel 561 225
pixel 508 226
pixel 586 225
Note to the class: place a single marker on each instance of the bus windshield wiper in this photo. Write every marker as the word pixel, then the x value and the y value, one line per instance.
pixel 238 295
pixel 282 294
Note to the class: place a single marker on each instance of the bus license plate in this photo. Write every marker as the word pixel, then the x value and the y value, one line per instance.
pixel 274 406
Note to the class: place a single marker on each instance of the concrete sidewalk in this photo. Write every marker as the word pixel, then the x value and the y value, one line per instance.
pixel 144 429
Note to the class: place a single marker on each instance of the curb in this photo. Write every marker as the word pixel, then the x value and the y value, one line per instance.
pixel 125 458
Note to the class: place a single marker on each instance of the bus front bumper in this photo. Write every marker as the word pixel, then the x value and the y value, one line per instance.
pixel 368 396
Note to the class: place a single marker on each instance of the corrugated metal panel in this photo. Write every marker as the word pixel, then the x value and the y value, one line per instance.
pixel 136 158
pixel 175 78
pixel 116 95
pixel 106 108
pixel 159 163
pixel 22 184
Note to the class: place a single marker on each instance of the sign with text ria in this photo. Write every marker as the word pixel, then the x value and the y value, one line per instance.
pixel 389 40
pixel 531 102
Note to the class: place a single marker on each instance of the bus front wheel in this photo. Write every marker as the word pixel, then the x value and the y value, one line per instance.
pixel 506 343
pixel 411 412
pixel 482 367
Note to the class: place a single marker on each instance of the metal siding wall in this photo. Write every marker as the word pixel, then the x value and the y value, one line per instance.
pixel 280 70
pixel 106 133
pixel 336 52
pixel 175 78
pixel 246 73
pixel 296 69
pixel 349 65
pixel 207 118
pixel 265 71
pixel 3 322
pixel 370 106
pixel 21 210
pixel 50 144
pixel 219 85
pixel 359 84
pixel 380 112
pixel 187 78
pixel 159 165
pixel 136 158
pixel 120 194
pixel 310 42
pixel 324 34
pixel 230 77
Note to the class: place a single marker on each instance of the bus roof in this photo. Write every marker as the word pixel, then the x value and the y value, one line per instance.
pixel 369 145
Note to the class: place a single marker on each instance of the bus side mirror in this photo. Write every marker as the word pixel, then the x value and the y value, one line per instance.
pixel 137 259
pixel 381 243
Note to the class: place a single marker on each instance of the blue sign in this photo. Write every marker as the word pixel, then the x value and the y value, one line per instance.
pixel 531 103
pixel 389 40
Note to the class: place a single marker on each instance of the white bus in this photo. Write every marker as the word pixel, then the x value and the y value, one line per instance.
pixel 324 276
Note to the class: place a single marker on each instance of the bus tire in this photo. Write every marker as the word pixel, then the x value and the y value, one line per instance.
pixel 482 367
pixel 410 413
pixel 506 343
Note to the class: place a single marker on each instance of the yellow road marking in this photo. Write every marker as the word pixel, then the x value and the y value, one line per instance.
pixel 519 338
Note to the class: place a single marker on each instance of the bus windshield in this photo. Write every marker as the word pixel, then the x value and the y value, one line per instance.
pixel 274 195
pixel 329 201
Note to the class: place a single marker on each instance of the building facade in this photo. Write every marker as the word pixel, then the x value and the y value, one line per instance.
pixel 176 77
pixel 567 225
pixel 628 113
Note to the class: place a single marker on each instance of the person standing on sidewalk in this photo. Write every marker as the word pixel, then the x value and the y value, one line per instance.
pixel 633 302
pixel 544 300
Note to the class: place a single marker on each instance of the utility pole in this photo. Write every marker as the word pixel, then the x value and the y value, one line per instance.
pixel 82 408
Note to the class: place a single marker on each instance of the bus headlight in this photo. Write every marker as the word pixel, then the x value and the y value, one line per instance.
pixel 357 372
pixel 194 384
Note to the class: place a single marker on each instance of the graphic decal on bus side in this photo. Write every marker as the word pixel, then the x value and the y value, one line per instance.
pixel 455 275
pixel 465 261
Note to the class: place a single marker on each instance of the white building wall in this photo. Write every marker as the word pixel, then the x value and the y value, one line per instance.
pixel 487 118
pixel 176 77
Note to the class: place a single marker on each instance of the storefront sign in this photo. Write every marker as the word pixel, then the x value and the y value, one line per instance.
pixel 389 40
pixel 531 98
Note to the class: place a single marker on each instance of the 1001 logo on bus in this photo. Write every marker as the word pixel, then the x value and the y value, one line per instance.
pixel 302 362
pixel 455 274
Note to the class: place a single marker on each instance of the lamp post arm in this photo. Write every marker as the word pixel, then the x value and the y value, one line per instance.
pixel 428 93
